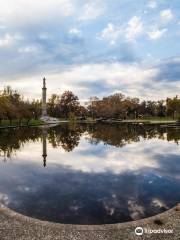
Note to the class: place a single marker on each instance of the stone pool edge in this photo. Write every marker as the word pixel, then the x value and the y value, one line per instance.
pixel 22 225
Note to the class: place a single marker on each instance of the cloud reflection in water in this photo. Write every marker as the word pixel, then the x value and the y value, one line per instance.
pixel 95 182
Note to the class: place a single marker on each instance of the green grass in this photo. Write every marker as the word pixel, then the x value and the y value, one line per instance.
pixel 35 122
pixel 23 122
pixel 39 122
pixel 159 118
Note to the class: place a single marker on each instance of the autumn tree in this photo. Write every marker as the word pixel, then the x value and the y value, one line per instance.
pixel 69 103
pixel 173 107
pixel 54 108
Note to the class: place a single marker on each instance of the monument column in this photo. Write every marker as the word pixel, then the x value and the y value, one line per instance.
pixel 44 108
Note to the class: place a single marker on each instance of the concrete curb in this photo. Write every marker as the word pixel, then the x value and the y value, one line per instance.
pixel 16 226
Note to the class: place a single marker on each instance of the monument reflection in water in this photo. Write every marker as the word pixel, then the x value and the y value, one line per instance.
pixel 44 144
pixel 94 174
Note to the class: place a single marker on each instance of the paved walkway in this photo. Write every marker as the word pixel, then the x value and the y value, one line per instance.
pixel 14 226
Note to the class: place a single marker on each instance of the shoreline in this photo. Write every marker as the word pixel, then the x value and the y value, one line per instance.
pixel 92 122
pixel 17 226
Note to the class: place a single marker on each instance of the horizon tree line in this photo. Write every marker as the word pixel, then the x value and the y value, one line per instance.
pixel 67 105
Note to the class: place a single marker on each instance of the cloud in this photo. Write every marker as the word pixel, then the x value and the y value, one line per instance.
pixel 4 199
pixel 26 12
pixel 157 34
pixel 151 154
pixel 28 49
pixel 166 15
pixel 169 70
pixel 6 40
pixel 85 80
pixel 135 28
pixel 152 4
pixel 115 76
pixel 158 203
pixel 56 38
pixel 111 33
pixel 75 31
pixel 91 11
pixel 136 211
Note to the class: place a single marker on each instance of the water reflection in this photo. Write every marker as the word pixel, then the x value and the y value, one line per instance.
pixel 94 173
pixel 68 136
pixel 44 144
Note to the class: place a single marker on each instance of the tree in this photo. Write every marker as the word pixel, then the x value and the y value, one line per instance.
pixel 173 107
pixel 13 106
pixel 54 106
pixel 161 108
pixel 36 109
pixel 69 103
pixel 3 107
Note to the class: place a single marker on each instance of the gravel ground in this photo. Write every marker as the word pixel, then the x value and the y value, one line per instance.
pixel 14 226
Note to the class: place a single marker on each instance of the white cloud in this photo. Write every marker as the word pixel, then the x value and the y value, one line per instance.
pixel 117 160
pixel 166 15
pixel 157 34
pixel 9 39
pixel 131 79
pixel 6 40
pixel 24 12
pixel 136 211
pixel 114 74
pixel 110 33
pixel 158 203
pixel 128 79
pixel 4 199
pixel 75 31
pixel 46 30
pixel 135 28
pixel 28 49
pixel 152 4
pixel 91 11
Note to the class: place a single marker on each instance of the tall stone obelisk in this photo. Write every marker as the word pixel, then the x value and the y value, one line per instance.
pixel 44 106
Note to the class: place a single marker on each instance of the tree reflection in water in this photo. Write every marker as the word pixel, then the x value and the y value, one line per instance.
pixel 67 136
pixel 87 184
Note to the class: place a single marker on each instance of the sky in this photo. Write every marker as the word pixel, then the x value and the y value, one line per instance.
pixel 93 48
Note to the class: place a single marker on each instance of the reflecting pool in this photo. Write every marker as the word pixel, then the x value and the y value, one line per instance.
pixel 90 174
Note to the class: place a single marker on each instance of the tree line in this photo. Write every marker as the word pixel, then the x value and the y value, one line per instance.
pixel 116 106
pixel 13 106
pixel 67 105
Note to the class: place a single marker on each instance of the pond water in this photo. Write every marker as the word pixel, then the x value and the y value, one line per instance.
pixel 90 174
